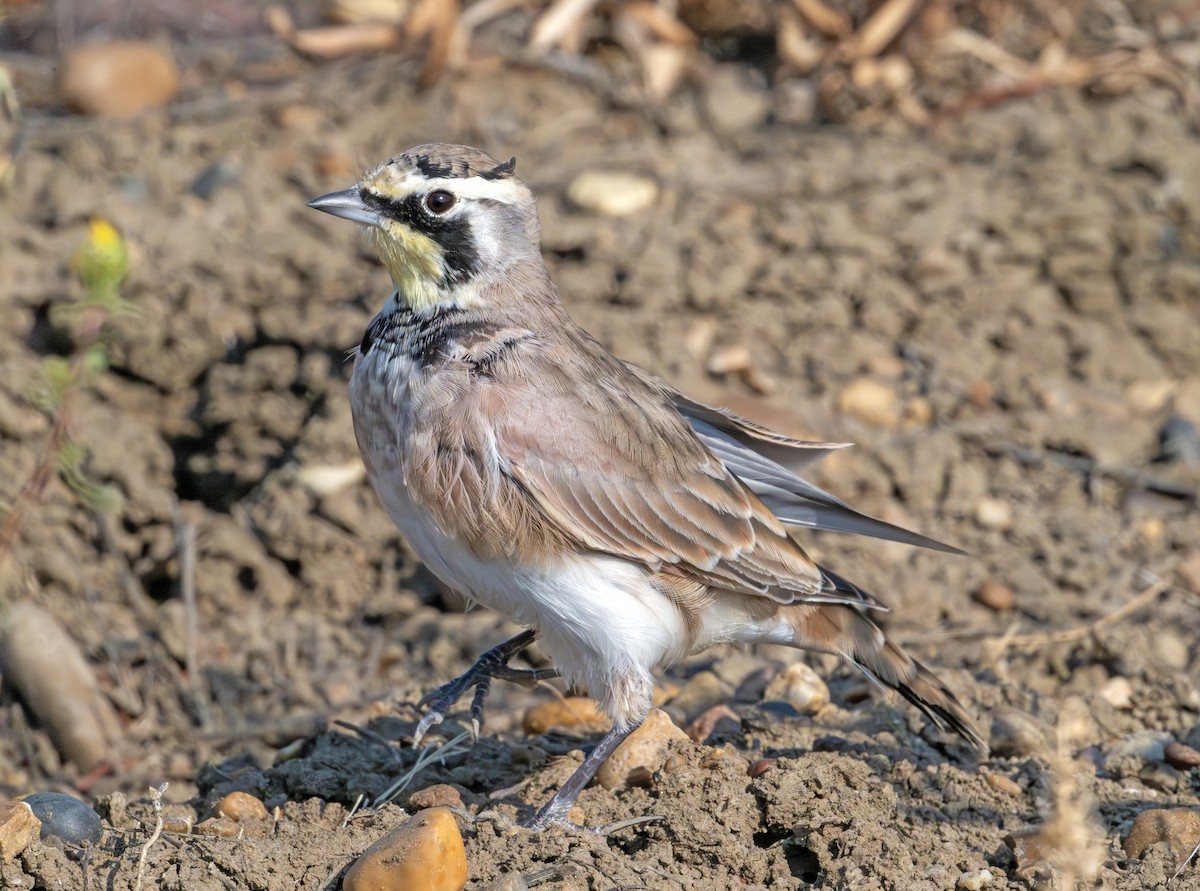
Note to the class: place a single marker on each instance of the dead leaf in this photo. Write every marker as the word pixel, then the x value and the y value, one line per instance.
pixel 561 26
pixel 344 40
pixel 880 29
pixel 830 22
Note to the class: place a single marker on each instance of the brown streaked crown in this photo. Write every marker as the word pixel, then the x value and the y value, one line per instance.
pixel 440 161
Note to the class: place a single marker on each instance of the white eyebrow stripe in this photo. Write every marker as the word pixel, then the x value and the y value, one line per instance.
pixel 506 191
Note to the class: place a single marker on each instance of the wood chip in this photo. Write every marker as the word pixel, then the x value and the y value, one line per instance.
pixel 560 26
pixel 830 22
pixel 880 29
pixel 336 41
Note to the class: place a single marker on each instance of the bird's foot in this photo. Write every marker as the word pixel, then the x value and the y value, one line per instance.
pixel 492 664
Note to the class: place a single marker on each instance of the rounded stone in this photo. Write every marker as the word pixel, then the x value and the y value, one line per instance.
pixel 1178 827
pixel 66 817
pixel 425 853
pixel 118 79
pixel 241 807
pixel 645 748
pixel 574 714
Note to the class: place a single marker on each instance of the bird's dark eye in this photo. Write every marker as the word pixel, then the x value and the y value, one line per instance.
pixel 439 201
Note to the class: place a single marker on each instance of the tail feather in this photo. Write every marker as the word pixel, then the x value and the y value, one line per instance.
pixel 851 634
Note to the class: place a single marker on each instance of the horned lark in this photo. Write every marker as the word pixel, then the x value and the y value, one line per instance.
pixel 537 474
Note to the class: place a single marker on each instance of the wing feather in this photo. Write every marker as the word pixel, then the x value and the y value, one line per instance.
pixel 768 463
pixel 619 470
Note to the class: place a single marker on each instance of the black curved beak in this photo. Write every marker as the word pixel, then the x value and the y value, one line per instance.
pixel 348 205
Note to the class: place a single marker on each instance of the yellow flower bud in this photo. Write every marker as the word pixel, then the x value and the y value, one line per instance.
pixel 102 261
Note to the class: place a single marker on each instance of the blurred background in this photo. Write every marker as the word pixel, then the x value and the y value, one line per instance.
pixel 963 234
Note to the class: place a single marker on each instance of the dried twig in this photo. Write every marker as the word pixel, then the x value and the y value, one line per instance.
pixel 1030 457
pixel 156 801
pixel 186 536
pixel 1010 639
pixel 49 460
pixel 1183 865
pixel 454 746
pixel 1082 632
pixel 880 29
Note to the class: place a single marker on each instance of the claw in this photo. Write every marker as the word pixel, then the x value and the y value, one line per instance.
pixel 492 664
pixel 430 719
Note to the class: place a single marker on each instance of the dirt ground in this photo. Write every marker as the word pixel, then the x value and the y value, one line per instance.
pixel 1022 282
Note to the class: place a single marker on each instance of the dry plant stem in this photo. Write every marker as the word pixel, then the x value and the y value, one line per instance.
pixel 454 746
pixel 1081 632
pixel 187 583
pixel 1183 865
pixel 156 800
pixel 1011 640
pixel 35 486
pixel 32 491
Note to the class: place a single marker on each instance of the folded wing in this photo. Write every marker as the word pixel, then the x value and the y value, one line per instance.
pixel 618 469
pixel 768 463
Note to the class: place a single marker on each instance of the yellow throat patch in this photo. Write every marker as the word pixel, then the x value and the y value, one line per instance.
pixel 414 261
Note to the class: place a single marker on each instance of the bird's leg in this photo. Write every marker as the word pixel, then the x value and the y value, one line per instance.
pixel 492 664
pixel 554 812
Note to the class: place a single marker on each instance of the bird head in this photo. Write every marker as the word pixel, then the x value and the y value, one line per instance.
pixel 444 219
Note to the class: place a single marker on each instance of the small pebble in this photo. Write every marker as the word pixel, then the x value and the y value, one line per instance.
pixel 1016 734
pixel 1171 651
pixel 871 401
pixel 575 715
pixel 646 747
pixel 712 758
pixel 18 827
pixel 674 762
pixel 993 513
pixel 438 795
pixel 1003 784
pixel 66 817
pixel 180 825
pixel 118 79
pixel 1117 692
pixel 761 766
pixel 995 595
pixel 918 412
pixel 981 393
pixel 214 177
pixel 1149 397
pixel 1180 756
pixel 974 881
pixel 218 827
pixel 1151 529
pixel 718 719
pixel 1162 777
pixel 1178 827
pixel 733 103
pixel 241 807
pixel 1144 746
pixel 1179 441
pixel 701 692
pixel 48 670
pixel 799 686
pixel 299 117
pixel 1032 851
pixel 612 193
pixel 425 853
